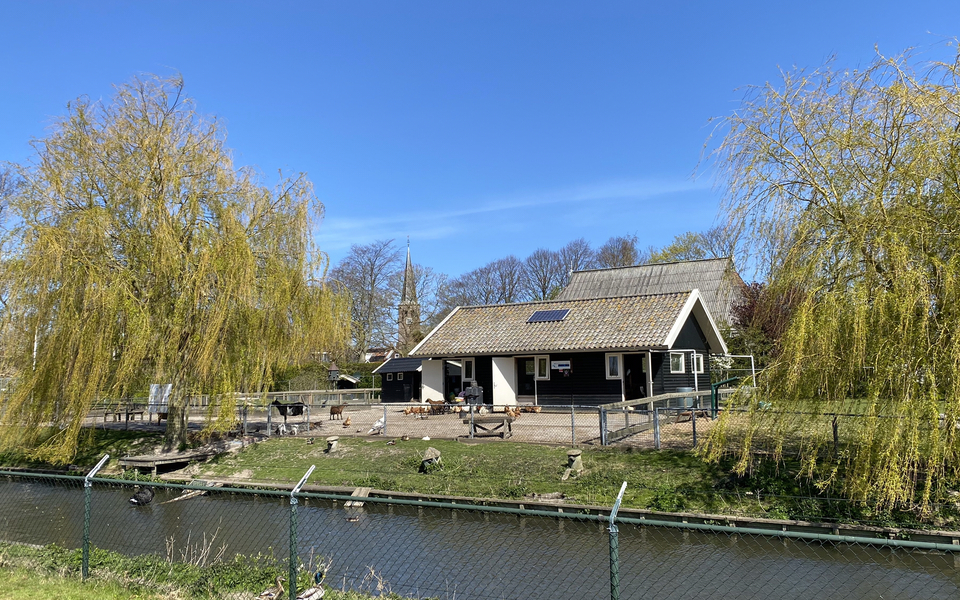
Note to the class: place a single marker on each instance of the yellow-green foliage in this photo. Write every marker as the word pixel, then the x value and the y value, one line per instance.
pixel 140 254
pixel 850 184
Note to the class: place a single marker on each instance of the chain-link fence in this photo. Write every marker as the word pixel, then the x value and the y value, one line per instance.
pixel 457 551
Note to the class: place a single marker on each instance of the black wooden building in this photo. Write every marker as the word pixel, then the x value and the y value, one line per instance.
pixel 584 351
pixel 399 380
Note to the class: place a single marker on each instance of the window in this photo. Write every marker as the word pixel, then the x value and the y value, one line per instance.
pixel 399 376
pixel 389 376
pixel 676 362
pixel 613 366
pixel 468 369
pixel 543 367
pixel 698 363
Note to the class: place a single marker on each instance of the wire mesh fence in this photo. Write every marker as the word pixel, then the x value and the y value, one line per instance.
pixel 424 549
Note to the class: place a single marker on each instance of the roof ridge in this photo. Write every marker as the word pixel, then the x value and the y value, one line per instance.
pixel 657 264
pixel 591 299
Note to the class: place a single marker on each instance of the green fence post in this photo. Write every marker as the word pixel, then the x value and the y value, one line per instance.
pixel 87 492
pixel 294 566
pixel 615 547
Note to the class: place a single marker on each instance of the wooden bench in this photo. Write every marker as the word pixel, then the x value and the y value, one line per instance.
pixel 490 426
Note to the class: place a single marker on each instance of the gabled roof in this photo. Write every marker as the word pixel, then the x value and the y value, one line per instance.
pixel 600 324
pixel 399 365
pixel 716 278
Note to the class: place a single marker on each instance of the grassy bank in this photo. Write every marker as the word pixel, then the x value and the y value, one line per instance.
pixel 28 572
pixel 671 481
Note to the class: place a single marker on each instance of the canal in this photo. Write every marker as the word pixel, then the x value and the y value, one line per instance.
pixel 462 554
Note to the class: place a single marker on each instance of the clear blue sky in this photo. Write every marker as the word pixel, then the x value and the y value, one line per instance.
pixel 478 129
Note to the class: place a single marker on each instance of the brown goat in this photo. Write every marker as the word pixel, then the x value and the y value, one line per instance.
pixel 336 411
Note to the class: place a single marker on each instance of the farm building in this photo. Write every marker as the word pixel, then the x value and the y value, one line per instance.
pixel 399 380
pixel 586 351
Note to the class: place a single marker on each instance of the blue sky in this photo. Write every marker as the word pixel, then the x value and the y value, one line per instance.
pixel 478 129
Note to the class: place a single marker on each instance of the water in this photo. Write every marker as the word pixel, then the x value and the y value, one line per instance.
pixel 463 554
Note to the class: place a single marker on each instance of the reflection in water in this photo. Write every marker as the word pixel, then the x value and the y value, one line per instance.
pixel 465 554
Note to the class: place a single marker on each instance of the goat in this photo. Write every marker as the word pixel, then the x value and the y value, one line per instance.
pixel 336 411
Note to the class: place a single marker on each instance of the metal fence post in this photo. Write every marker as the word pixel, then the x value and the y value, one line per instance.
pixel 472 411
pixel 693 420
pixel 384 430
pixel 269 421
pixel 87 491
pixel 573 427
pixel 656 428
pixel 603 426
pixel 294 566
pixel 615 547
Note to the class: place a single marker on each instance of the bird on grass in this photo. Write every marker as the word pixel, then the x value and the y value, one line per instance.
pixel 315 592
pixel 275 592
pixel 143 496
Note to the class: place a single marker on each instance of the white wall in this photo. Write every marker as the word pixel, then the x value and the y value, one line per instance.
pixel 504 382
pixel 431 383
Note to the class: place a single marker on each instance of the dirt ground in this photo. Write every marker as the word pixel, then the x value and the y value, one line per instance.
pixel 562 426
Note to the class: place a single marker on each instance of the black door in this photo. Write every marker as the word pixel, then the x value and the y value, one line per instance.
pixel 525 377
pixel 634 376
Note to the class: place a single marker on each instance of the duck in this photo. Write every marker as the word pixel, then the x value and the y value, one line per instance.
pixel 143 496
pixel 275 592
pixel 315 592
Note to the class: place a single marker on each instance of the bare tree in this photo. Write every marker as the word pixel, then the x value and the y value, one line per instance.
pixel 542 274
pixel 368 272
pixel 508 275
pixel 576 256
pixel 620 251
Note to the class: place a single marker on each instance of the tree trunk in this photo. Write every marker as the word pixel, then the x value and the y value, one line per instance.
pixel 175 437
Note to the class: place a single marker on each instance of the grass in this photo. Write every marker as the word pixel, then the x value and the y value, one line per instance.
pixel 502 470
pixel 29 572
pixel 665 480
pixel 93 444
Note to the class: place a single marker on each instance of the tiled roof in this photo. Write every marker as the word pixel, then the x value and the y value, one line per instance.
pixel 716 279
pixel 399 365
pixel 633 322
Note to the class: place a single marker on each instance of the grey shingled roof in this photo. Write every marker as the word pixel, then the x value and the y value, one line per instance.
pixel 399 365
pixel 716 279
pixel 634 322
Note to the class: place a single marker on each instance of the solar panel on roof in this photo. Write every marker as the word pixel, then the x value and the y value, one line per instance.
pixel 545 316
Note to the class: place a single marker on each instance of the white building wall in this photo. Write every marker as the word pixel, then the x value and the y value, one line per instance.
pixel 431 383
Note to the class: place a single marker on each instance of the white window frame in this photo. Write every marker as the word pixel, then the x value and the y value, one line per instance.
pixel 399 376
pixel 464 380
pixel 545 376
pixel 698 363
pixel 389 376
pixel 683 363
pixel 606 363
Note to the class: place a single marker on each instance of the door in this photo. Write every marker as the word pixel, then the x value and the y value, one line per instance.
pixel 432 380
pixel 504 380
pixel 526 378
pixel 634 376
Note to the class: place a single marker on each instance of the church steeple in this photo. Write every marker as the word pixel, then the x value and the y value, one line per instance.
pixel 408 313
pixel 409 281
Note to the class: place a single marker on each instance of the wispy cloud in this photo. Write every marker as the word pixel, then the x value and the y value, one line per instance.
pixel 437 219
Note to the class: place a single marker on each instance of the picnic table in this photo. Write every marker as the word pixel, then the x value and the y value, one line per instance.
pixel 490 426
pixel 125 411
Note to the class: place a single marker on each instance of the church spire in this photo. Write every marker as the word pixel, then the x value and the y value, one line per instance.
pixel 408 312
pixel 409 295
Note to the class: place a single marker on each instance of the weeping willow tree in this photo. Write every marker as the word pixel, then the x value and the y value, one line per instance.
pixel 139 254
pixel 849 184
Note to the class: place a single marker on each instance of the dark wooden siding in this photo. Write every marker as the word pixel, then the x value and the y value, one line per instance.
pixel 691 338
pixel 587 384
pixel 403 390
